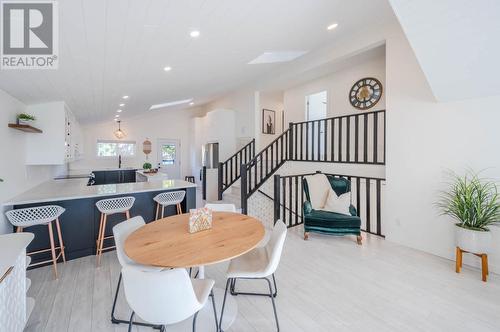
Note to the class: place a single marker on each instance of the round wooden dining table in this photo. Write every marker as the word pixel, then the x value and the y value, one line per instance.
pixel 167 243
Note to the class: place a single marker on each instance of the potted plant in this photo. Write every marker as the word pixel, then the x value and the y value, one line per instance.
pixel 147 166
pixel 474 203
pixel 25 119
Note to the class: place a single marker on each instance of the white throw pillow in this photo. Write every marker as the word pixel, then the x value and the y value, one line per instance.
pixel 338 204
pixel 318 190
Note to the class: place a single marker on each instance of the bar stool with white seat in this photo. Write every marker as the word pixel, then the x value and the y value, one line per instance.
pixel 41 215
pixel 165 297
pixel 260 263
pixel 221 207
pixel 108 207
pixel 169 198
pixel 121 232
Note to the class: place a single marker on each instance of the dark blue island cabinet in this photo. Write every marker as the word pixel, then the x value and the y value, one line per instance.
pixel 80 222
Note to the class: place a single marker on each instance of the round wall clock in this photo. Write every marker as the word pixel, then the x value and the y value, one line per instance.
pixel 365 93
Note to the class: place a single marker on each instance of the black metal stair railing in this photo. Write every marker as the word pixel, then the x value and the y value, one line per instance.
pixel 229 170
pixel 353 139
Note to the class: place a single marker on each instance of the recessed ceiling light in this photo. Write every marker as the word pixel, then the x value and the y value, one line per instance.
pixel 171 103
pixel 121 105
pixel 194 33
pixel 125 97
pixel 332 26
pixel 191 103
pixel 167 68
pixel 119 111
pixel 117 116
pixel 279 56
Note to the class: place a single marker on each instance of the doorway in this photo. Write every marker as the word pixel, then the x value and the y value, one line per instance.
pixel 316 109
pixel 169 157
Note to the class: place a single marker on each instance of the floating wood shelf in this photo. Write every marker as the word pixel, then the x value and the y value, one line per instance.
pixel 26 128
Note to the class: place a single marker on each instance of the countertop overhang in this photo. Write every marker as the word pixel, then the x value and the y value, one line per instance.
pixel 68 189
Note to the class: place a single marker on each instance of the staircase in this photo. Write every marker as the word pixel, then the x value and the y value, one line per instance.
pixel 348 139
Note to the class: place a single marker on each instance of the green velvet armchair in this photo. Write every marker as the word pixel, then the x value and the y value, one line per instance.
pixel 326 222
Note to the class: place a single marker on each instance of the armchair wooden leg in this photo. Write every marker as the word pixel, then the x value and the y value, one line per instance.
pixel 359 239
pixel 306 235
pixel 484 266
pixel 458 260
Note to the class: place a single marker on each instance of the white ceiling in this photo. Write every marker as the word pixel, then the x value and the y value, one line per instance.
pixel 111 48
pixel 456 43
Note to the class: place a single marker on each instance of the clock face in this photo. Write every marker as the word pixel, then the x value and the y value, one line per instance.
pixel 365 93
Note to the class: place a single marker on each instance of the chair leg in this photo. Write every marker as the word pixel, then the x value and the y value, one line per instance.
pixel 484 267
pixel 179 208
pixel 162 211
pixel 131 322
pixel 52 249
pixel 61 242
pixel 235 293
pixel 127 213
pixel 215 310
pixel 157 210
pixel 101 242
pixel 19 229
pixel 113 319
pixel 194 321
pixel 274 304
pixel 359 239
pixel 306 235
pixel 228 282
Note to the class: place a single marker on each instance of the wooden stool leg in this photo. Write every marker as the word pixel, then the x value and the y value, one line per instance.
pixel 19 229
pixel 458 260
pixel 484 265
pixel 157 210
pixel 52 249
pixel 162 210
pixel 127 213
pixel 61 243
pixel 179 208
pixel 101 242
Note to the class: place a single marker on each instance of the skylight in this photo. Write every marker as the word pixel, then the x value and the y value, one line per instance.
pixel 171 103
pixel 279 56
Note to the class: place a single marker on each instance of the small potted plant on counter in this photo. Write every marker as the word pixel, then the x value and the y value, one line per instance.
pixel 147 167
pixel 25 119
pixel 473 202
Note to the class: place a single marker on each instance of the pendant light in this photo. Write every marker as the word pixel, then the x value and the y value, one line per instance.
pixel 119 133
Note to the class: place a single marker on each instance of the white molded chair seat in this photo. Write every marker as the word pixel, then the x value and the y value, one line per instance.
pixel 250 265
pixel 165 297
pixel 32 216
pixel 170 198
pixel 221 207
pixel 115 205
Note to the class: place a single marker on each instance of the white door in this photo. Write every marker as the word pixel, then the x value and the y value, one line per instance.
pixel 169 157
pixel 316 107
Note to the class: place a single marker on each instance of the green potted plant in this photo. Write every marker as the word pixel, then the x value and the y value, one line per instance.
pixel 474 203
pixel 25 119
pixel 147 166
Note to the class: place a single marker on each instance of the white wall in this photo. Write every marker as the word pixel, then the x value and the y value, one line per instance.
pixel 337 85
pixel 13 170
pixel 153 125
pixel 424 139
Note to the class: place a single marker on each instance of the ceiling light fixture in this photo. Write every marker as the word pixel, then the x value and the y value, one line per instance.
pixel 171 103
pixel 121 105
pixel 119 111
pixel 119 133
pixel 191 103
pixel 194 33
pixel 332 26
pixel 117 116
pixel 167 68
pixel 125 97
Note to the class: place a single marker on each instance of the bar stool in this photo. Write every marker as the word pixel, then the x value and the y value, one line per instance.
pixel 169 198
pixel 41 215
pixel 108 207
pixel 189 178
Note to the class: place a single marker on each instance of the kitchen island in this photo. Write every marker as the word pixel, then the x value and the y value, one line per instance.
pixel 80 221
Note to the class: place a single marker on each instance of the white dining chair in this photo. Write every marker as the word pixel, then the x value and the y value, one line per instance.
pixel 260 263
pixel 120 232
pixel 165 297
pixel 221 207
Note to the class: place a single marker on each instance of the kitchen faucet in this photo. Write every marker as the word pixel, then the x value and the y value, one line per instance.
pixel 120 161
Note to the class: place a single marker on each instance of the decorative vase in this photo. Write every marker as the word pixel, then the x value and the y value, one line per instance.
pixel 25 122
pixel 477 242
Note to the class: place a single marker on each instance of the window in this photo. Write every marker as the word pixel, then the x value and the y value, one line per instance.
pixel 168 154
pixel 108 148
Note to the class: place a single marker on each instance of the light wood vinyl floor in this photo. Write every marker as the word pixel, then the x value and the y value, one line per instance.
pixel 324 284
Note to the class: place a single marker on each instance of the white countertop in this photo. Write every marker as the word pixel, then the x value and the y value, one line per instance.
pixel 60 190
pixel 12 245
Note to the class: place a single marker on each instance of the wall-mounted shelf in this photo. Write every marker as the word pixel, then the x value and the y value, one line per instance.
pixel 26 128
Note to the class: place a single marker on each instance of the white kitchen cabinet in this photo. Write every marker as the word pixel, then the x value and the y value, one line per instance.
pixel 61 140
pixel 15 307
